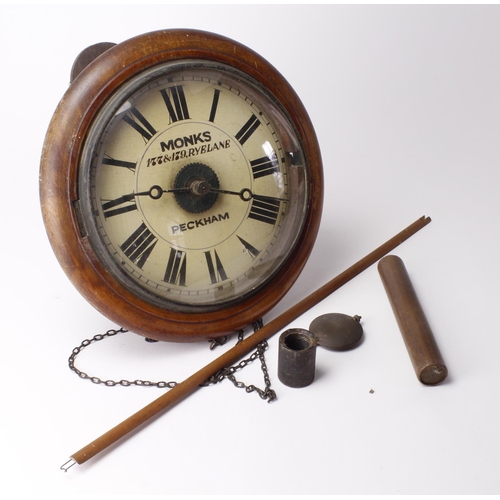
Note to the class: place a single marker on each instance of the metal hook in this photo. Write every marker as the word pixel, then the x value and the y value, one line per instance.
pixel 218 342
pixel 65 467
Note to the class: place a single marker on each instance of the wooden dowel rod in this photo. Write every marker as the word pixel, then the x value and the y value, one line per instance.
pixel 191 384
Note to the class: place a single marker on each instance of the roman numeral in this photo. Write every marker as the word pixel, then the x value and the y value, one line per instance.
pixel 119 163
pixel 141 125
pixel 215 103
pixel 266 165
pixel 249 248
pixel 215 268
pixel 112 208
pixel 176 268
pixel 248 129
pixel 178 110
pixel 264 210
pixel 139 245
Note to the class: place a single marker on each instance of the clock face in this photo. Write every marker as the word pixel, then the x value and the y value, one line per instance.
pixel 193 186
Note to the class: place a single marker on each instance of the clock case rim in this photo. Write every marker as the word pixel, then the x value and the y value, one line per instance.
pixel 245 86
pixel 59 166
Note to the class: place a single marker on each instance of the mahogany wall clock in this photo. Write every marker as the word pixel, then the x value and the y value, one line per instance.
pixel 181 185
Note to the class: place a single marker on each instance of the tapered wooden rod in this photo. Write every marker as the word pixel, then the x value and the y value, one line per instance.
pixel 191 384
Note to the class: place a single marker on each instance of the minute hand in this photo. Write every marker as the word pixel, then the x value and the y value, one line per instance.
pixel 247 195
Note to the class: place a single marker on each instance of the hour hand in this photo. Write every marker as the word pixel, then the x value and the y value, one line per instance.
pixel 126 203
pixel 155 193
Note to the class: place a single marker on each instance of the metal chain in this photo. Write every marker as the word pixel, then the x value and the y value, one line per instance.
pixel 110 383
pixel 228 373
pixel 266 393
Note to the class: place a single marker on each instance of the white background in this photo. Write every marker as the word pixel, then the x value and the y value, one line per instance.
pixel 405 101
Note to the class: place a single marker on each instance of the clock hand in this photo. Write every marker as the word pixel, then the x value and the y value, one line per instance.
pixel 121 204
pixel 246 195
pixel 155 193
pixel 200 188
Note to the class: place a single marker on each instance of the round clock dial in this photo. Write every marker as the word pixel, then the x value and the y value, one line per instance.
pixel 194 199
pixel 195 185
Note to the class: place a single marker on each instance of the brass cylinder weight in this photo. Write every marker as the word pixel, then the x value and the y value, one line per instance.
pixel 415 330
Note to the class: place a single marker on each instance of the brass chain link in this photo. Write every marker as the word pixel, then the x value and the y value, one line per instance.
pixel 267 393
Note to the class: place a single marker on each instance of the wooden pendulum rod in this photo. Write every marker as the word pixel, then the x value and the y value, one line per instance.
pixel 195 381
